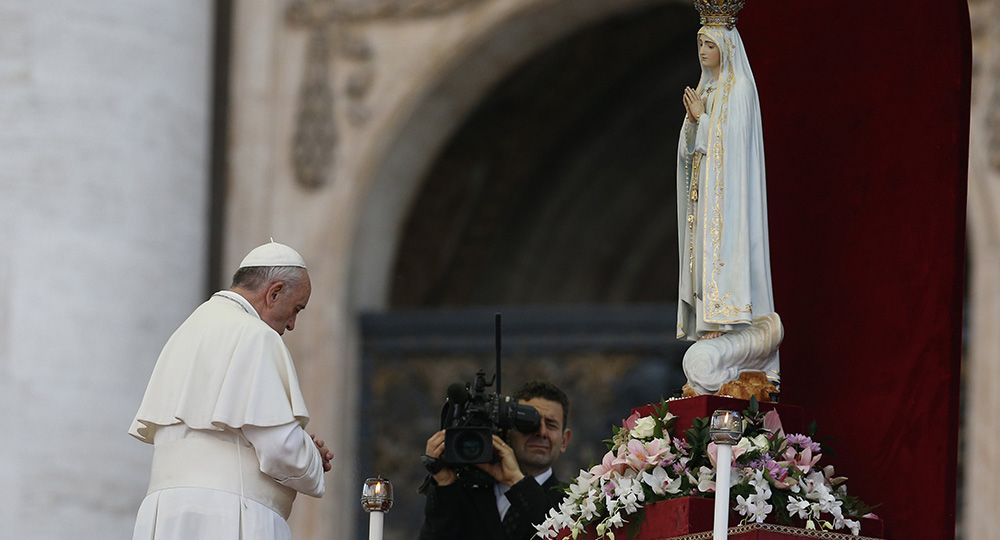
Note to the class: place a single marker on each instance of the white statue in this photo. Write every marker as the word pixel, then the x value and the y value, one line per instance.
pixel 725 302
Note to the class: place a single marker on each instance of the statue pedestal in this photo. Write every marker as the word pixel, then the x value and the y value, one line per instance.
pixel 687 409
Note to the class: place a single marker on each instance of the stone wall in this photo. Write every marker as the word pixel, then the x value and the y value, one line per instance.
pixel 104 122
pixel 981 456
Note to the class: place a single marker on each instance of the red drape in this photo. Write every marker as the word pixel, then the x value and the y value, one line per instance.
pixel 866 117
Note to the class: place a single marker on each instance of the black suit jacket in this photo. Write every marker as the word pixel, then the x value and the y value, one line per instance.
pixel 467 510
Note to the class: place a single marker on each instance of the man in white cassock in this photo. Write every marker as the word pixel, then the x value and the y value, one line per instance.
pixel 225 415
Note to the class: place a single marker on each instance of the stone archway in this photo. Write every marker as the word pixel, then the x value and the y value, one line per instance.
pixel 561 196
pixel 393 172
pixel 405 187
pixel 429 74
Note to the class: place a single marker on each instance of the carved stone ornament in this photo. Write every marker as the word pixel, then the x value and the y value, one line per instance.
pixel 331 37
pixel 993 111
pixel 986 72
pixel 315 127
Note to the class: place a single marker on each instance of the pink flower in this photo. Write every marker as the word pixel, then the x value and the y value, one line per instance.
pixel 713 453
pixel 804 460
pixel 835 481
pixel 609 488
pixel 611 463
pixel 629 423
pixel 642 455
pixel 681 445
pixel 772 423
pixel 778 474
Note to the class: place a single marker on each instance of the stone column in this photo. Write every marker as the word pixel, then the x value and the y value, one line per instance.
pixel 104 139
pixel 981 457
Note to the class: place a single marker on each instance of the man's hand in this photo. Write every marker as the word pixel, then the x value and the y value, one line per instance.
pixel 324 453
pixel 434 449
pixel 506 470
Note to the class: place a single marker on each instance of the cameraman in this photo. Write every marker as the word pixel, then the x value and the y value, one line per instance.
pixel 515 492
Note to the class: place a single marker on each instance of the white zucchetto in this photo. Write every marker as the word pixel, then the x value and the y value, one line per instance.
pixel 273 254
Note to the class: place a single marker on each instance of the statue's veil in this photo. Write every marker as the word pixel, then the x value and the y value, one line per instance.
pixel 736 270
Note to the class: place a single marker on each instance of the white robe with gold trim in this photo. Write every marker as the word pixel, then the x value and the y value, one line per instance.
pixel 725 267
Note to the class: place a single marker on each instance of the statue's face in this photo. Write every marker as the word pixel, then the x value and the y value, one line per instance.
pixel 708 53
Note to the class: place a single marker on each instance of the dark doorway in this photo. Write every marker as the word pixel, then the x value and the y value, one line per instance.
pixel 554 203
pixel 560 187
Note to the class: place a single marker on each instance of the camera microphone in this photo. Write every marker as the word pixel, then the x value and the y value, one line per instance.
pixel 471 417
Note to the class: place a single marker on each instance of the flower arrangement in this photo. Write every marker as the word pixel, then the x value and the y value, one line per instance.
pixel 772 475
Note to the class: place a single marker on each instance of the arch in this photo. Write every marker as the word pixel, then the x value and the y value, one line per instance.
pixel 390 179
pixel 392 174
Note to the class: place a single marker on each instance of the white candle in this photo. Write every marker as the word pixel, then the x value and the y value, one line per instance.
pixel 375 525
pixel 723 473
pixel 376 499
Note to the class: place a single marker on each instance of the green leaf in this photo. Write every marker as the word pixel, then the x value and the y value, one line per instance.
pixel 661 409
pixel 855 507
pixel 698 438
pixel 779 499
pixel 744 489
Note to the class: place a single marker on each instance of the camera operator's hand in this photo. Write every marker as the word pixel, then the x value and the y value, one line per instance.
pixel 506 470
pixel 434 449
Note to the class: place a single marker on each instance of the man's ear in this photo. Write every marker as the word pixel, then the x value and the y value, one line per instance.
pixel 567 435
pixel 272 291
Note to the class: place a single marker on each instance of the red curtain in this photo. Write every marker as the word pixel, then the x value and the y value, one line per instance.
pixel 866 120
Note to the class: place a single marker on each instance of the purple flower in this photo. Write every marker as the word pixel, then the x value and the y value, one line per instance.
pixel 774 469
pixel 803 442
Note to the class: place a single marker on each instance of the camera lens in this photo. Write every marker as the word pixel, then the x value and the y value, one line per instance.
pixel 525 418
pixel 469 446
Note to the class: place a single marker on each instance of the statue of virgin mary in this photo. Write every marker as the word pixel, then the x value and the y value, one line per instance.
pixel 725 302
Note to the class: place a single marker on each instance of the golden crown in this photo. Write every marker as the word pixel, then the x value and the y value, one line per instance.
pixel 719 12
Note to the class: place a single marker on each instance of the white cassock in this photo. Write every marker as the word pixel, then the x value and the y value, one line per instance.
pixel 226 418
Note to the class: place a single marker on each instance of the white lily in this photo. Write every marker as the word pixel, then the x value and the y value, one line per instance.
pixel 761 443
pixel 744 445
pixel 658 480
pixel 798 507
pixel 706 480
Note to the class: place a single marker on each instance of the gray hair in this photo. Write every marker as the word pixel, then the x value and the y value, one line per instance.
pixel 254 277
